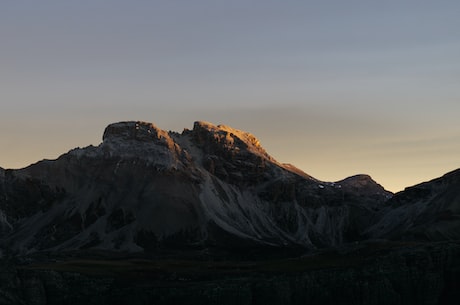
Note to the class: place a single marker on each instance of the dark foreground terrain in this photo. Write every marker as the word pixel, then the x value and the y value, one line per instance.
pixel 365 273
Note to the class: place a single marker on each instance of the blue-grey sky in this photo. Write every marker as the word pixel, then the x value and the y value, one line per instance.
pixel 334 87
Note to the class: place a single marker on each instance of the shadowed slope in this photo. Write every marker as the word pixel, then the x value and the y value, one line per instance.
pixel 427 211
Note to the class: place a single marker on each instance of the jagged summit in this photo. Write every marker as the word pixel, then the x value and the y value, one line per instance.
pixel 138 140
pixel 135 130
pixel 231 137
pixel 205 133
pixel 230 153
pixel 205 144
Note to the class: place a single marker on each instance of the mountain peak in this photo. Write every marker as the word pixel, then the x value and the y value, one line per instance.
pixel 229 138
pixel 143 140
pixel 365 184
pixel 360 178
pixel 135 130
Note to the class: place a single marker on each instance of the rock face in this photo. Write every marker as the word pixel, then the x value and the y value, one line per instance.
pixel 144 188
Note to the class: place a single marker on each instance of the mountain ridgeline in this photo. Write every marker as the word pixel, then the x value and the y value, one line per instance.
pixel 144 188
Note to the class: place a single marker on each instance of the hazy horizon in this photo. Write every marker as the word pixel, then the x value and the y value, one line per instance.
pixel 335 88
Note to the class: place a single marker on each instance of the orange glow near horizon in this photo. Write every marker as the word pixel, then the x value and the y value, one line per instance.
pixel 395 164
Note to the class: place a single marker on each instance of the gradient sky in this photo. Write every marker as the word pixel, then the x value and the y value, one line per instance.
pixel 334 87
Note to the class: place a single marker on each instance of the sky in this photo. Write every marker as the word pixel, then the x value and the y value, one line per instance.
pixel 333 87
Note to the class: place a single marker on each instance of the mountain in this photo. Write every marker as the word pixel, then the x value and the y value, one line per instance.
pixel 207 216
pixel 429 211
pixel 144 188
